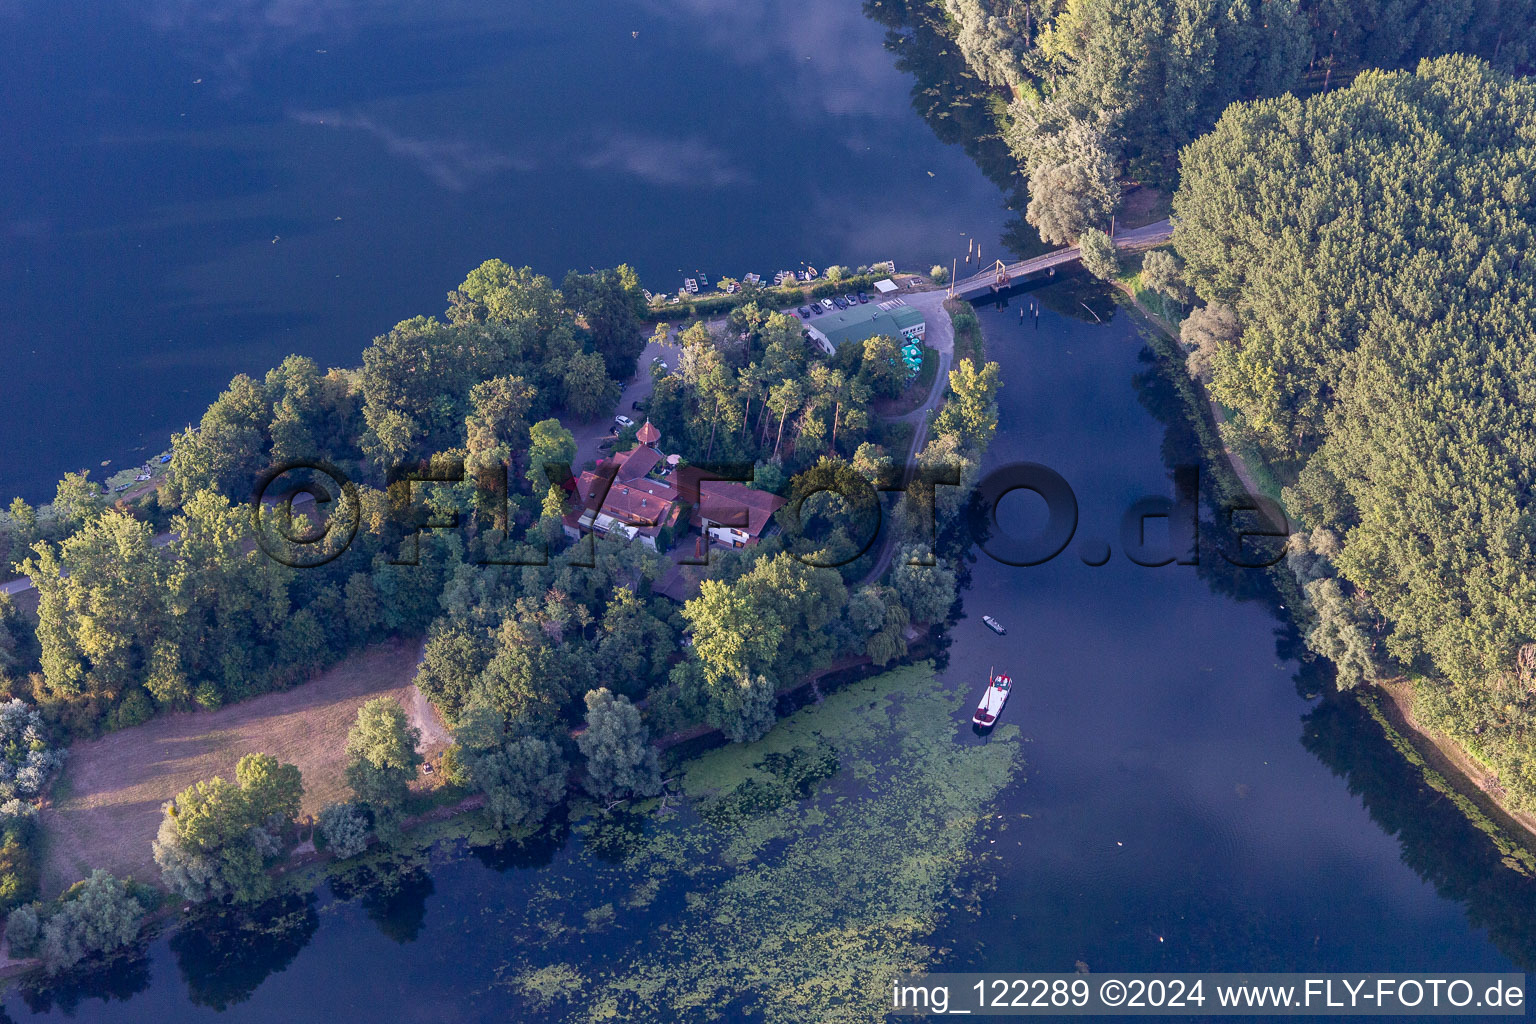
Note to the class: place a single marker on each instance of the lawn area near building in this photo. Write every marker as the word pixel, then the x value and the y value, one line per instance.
pixel 109 800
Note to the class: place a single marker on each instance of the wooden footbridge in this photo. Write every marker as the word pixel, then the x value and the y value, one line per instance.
pixel 1001 276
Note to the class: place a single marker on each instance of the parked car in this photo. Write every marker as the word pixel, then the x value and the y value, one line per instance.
pixel 863 296
pixel 805 312
pixel 839 302
pixel 623 422
pixel 851 299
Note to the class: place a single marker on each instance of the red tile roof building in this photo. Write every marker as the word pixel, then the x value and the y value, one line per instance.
pixel 730 512
pixel 622 495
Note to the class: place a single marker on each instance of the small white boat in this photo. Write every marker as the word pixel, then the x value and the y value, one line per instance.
pixel 994 625
pixel 993 699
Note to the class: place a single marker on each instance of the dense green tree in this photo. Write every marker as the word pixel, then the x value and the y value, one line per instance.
pixel 926 591
pixel 634 644
pixel 946 472
pixel 523 777
pixel 1100 257
pixel 25 522
pixel 873 463
pixel 970 407
pixel 1105 88
pixel 344 828
pixel 381 757
pixel 273 790
pixel 97 624
pixel 18 861
pixel 770 623
pixel 78 500
pixel 1370 245
pixel 620 759
pixel 610 303
pixel 496 429
pixel 418 380
pixel 523 781
pixel 361 607
pixel 531 676
pixel 216 837
pixel 1381 375
pixel 881 368
pixel 745 708
pixel 294 414
pixel 96 916
pixel 586 390
pixel 18 640
pixel 880 620
pixel 549 444
pixel 456 653
pixel 226 601
pixel 166 679
pixel 516 297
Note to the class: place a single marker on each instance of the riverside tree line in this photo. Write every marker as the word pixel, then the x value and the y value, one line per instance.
pixel 550 661
pixel 1350 278
pixel 1101 92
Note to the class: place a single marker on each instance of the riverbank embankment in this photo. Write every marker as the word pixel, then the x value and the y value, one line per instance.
pixel 1446 766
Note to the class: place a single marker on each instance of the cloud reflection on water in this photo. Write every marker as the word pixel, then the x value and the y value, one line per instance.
pixel 455 164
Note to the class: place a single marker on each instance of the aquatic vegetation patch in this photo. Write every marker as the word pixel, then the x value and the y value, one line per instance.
pixel 804 871
pixel 786 777
pixel 548 985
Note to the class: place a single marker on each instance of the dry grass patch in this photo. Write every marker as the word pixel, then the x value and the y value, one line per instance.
pixel 114 786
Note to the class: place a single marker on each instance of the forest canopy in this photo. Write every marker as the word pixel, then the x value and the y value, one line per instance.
pixel 1103 90
pixel 1371 244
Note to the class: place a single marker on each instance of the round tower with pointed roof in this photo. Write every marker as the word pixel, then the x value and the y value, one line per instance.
pixel 648 434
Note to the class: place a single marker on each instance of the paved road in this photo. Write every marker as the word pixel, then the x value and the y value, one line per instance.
pixel 590 435
pixel 940 336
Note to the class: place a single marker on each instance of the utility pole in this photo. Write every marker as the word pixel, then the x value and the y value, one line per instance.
pixel 952 265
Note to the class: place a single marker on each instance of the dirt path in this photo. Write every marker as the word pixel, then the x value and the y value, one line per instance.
pixel 1446 756
pixel 434 734
pixel 114 786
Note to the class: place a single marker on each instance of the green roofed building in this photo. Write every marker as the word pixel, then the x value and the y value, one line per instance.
pixel 893 318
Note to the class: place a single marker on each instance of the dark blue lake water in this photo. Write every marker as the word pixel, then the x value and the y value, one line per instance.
pixel 192 190
pixel 1188 807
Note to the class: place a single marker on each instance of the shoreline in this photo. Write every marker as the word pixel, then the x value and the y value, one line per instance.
pixel 305 870
pixel 1441 755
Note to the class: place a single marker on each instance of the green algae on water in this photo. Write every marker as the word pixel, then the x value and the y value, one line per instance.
pixel 804 872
